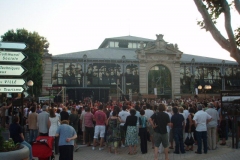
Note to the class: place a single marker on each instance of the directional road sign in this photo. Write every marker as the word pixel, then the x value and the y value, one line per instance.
pixel 12 45
pixel 12 70
pixel 11 82
pixel 14 57
pixel 11 89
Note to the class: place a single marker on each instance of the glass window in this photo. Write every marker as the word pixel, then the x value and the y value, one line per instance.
pixel 111 44
pixel 116 44
pixel 159 77
pixel 129 45
pixel 134 45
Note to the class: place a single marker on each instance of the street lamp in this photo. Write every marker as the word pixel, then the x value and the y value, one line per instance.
pixel 205 88
pixel 30 84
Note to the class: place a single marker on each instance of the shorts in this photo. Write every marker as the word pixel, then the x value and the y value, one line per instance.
pixel 160 138
pixel 99 130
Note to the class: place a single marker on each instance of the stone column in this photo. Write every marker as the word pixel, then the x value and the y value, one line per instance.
pixel 47 73
pixel 143 78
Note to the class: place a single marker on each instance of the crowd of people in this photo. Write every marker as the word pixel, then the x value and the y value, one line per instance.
pixel 114 125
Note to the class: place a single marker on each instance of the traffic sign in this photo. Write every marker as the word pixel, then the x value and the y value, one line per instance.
pixel 12 82
pixel 12 45
pixel 12 70
pixel 15 57
pixel 11 89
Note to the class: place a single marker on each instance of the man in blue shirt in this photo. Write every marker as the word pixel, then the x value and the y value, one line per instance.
pixel 178 124
pixel 66 134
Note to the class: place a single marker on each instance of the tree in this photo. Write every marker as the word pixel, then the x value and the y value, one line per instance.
pixel 35 49
pixel 210 11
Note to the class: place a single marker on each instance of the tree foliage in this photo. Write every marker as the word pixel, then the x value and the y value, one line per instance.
pixel 35 49
pixel 210 11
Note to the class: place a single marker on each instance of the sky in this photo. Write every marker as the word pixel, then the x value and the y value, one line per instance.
pixel 80 25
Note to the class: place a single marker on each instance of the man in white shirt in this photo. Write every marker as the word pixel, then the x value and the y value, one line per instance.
pixel 201 119
pixel 212 126
pixel 123 116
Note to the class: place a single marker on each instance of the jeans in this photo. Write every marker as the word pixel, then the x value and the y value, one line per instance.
pixel 202 136
pixel 33 133
pixel 29 147
pixel 178 137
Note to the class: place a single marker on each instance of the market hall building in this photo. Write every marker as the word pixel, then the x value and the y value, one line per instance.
pixel 135 68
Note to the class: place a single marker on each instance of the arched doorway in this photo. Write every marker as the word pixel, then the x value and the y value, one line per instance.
pixel 159 81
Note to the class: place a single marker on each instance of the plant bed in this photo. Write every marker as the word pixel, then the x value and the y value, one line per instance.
pixel 21 153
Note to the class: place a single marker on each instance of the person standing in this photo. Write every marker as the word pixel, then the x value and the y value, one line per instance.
pixel 143 131
pixel 82 124
pixel 53 124
pixel 132 133
pixel 16 133
pixel 190 128
pixel 100 117
pixel 32 124
pixel 212 126
pixel 88 126
pixel 64 115
pixel 66 134
pixel 201 119
pixel 113 132
pixel 3 110
pixel 178 123
pixel 73 121
pixel 159 120
pixel 43 121
pixel 148 113
pixel 123 116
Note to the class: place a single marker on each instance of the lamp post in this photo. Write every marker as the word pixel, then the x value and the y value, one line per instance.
pixel 205 88
pixel 30 84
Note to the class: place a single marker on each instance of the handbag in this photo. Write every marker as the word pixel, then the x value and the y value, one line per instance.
pixel 189 140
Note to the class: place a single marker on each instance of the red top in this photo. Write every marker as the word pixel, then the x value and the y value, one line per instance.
pixel 100 117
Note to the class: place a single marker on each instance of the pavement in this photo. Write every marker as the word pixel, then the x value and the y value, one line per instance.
pixel 221 153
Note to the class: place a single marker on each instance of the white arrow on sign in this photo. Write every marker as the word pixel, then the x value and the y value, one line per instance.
pixel 12 45
pixel 6 56
pixel 12 82
pixel 11 89
pixel 12 70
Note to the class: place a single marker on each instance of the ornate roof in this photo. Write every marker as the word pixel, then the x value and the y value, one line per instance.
pixel 131 55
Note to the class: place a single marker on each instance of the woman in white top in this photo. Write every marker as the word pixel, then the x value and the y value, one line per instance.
pixel 53 124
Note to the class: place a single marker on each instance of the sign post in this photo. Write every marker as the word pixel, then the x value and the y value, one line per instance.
pixel 9 84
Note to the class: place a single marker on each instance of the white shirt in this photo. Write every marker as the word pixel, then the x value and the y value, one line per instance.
pixel 148 114
pixel 186 112
pixel 170 116
pixel 215 117
pixel 200 119
pixel 123 116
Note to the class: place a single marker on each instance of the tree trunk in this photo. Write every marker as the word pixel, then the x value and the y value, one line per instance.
pixel 229 45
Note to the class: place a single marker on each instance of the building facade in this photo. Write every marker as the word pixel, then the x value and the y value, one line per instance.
pixel 134 68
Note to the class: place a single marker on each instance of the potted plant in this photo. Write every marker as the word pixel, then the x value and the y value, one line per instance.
pixel 11 151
